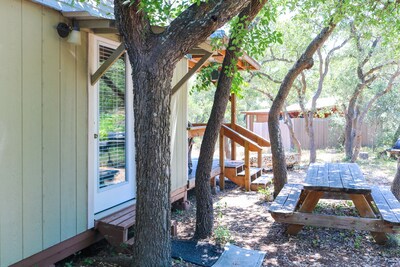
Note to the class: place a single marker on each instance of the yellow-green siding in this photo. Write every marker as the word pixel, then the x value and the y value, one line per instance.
pixel 179 120
pixel 43 132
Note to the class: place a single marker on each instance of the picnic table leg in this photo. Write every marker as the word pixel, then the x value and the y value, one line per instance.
pixel 310 201
pixel 365 210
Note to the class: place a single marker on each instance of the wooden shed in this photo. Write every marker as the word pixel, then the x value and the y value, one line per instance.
pixel 66 129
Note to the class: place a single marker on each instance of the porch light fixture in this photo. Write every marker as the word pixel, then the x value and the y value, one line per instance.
pixel 72 32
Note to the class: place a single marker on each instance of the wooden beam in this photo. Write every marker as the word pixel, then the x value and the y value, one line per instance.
pixel 96 24
pixel 332 221
pixel 105 31
pixel 107 64
pixel 197 52
pixel 61 250
pixel 233 124
pixel 365 210
pixel 196 131
pixel 221 160
pixel 191 72
pixel 308 206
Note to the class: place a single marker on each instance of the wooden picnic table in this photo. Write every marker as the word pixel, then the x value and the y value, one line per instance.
pixel 378 208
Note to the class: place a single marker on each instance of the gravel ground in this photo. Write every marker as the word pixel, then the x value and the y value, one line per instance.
pixel 245 217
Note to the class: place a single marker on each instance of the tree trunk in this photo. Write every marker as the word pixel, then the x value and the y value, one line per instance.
pixel 295 141
pixel 153 173
pixel 277 149
pixel 348 134
pixel 313 150
pixel 204 211
pixel 396 135
pixel 396 181
pixel 367 107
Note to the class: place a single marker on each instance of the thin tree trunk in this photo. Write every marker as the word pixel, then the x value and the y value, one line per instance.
pixel 396 135
pixel 296 142
pixel 360 119
pixel 396 182
pixel 277 149
pixel 313 150
pixel 204 211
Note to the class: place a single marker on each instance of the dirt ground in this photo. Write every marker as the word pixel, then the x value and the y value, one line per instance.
pixel 245 222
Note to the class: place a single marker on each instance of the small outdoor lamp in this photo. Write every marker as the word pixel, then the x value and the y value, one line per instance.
pixel 73 33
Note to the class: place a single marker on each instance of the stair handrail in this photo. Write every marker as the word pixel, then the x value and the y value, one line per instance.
pixel 261 141
pixel 239 139
pixel 248 145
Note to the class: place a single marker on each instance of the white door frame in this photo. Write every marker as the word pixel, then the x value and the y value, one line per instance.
pixel 125 190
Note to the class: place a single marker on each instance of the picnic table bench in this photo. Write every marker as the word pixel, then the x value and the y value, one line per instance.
pixel 377 206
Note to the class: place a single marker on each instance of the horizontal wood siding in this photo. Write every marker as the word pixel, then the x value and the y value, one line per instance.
pixel 43 132
pixel 179 143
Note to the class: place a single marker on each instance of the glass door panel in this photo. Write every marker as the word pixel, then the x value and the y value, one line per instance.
pixel 112 122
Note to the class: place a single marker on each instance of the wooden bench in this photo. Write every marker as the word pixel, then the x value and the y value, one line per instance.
pixel 286 201
pixel 387 204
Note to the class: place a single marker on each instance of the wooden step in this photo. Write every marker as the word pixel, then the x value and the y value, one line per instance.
pixel 261 181
pixel 254 173
pixel 115 227
pixel 234 165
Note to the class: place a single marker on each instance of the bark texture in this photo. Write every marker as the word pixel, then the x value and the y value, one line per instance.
pixel 396 181
pixel 153 58
pixel 366 108
pixel 204 211
pixel 309 115
pixel 304 62
pixel 365 79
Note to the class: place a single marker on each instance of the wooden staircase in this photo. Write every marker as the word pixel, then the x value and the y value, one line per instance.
pixel 240 172
pixel 235 171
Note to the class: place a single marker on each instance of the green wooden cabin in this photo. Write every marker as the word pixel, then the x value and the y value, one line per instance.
pixel 65 156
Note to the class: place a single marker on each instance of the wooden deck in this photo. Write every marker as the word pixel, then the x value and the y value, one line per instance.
pixel 215 170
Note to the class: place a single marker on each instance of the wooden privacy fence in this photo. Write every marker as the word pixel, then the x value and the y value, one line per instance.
pixel 326 135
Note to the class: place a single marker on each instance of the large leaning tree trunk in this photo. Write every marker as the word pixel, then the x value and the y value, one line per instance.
pixel 396 181
pixel 286 116
pixel 153 58
pixel 204 211
pixel 304 62
pixel 366 108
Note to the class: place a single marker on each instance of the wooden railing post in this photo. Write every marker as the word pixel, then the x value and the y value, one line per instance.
pixel 221 159
pixel 233 125
pixel 247 166
pixel 259 158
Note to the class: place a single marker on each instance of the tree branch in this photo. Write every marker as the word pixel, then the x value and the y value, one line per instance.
pixel 133 24
pixel 195 25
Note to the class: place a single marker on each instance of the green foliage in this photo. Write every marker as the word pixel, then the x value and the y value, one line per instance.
pixel 267 193
pixel 222 235
pixel 88 262
pixel 111 123
pixel 252 39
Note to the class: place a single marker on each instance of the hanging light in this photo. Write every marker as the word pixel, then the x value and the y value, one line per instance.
pixel 73 33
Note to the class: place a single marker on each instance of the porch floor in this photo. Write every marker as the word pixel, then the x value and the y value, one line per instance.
pixel 215 170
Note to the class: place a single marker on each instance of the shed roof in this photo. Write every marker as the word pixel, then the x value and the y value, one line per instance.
pixel 76 9
pixel 322 103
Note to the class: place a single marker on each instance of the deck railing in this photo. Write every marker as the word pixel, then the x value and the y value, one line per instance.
pixel 242 136
pixel 248 144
